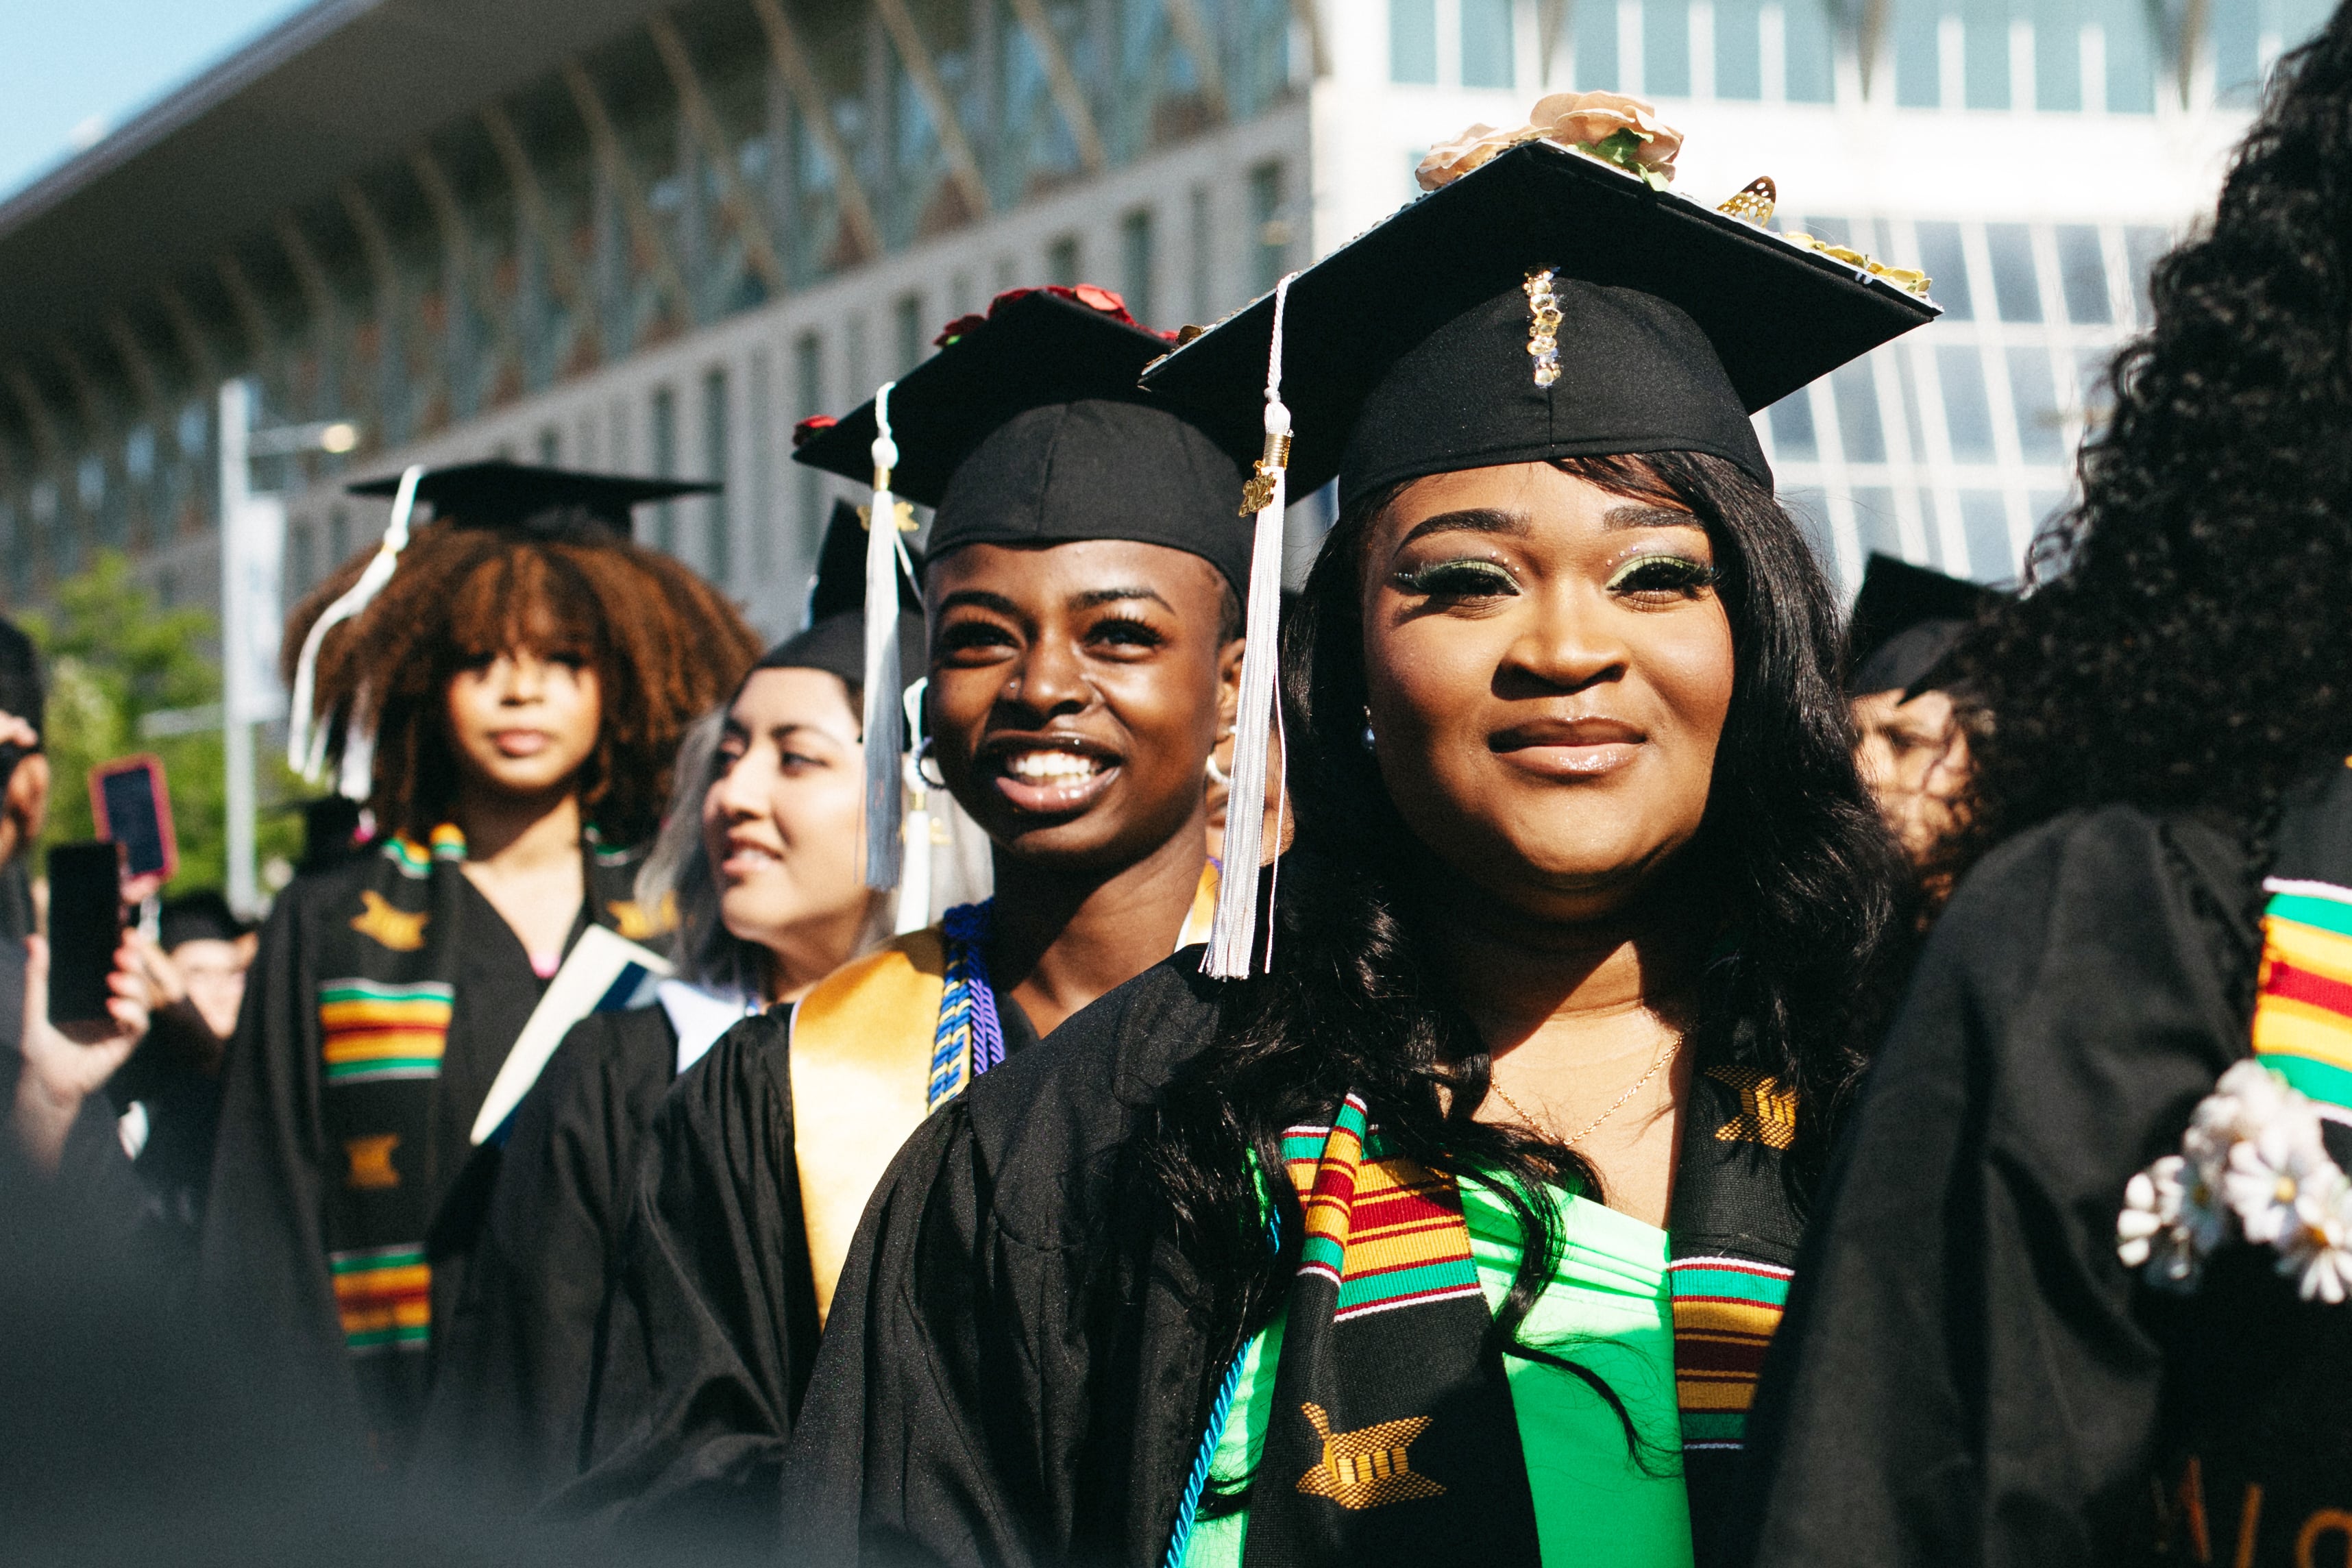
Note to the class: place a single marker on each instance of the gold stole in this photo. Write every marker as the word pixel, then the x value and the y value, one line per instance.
pixel 861 1069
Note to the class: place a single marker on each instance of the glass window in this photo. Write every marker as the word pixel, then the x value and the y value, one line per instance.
pixel 2013 288
pixel 1739 49
pixel 1412 41
pixel 1792 428
pixel 1918 72
pixel 664 420
pixel 1810 77
pixel 2129 27
pixel 759 424
pixel 907 329
pixel 2040 423
pixel 1665 49
pixel 1876 527
pixel 550 446
pixel 1967 414
pixel 304 573
pixel 1984 525
pixel 1486 43
pixel 339 537
pixel 1946 263
pixel 139 452
pixel 2083 275
pixel 2058 55
pixel 2236 52
pixel 1062 262
pixel 1809 505
pixel 808 399
pixel 1856 391
pixel 718 417
pixel 2143 248
pixel 1596 45
pixel 1985 53
pixel 2093 394
pixel 1270 227
pixel 1136 261
pixel 1203 239
pixel 193 424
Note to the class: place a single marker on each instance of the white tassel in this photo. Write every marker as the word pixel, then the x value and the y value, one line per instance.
pixel 356 779
pixel 884 713
pixel 915 879
pixel 1231 934
pixel 306 737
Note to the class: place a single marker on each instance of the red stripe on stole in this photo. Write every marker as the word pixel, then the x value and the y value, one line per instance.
pixel 2284 979
pixel 1706 1352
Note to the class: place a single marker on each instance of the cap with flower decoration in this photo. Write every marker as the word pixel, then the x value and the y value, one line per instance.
pixel 1028 428
pixel 1546 298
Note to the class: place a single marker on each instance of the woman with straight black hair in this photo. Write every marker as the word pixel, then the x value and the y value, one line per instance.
pixel 1452 1225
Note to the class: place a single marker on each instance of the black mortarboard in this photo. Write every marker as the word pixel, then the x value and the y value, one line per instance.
pixel 1407 351
pixel 1027 428
pixel 1906 621
pixel 500 494
pixel 197 917
pixel 331 832
pixel 835 637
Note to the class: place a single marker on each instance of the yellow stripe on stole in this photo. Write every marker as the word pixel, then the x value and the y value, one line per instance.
pixel 861 1069
pixel 2285 1027
pixel 1727 1319
pixel 378 1044
pixel 431 1013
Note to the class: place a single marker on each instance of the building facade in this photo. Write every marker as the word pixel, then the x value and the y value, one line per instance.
pixel 649 239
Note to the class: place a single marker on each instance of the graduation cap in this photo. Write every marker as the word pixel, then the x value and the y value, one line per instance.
pixel 1027 427
pixel 562 503
pixel 1546 304
pixel 834 637
pixel 1906 621
pixel 556 504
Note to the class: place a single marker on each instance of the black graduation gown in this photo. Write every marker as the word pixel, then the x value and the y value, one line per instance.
pixel 512 1375
pixel 264 1280
pixel 712 1324
pixel 1967 1374
pixel 1017 1371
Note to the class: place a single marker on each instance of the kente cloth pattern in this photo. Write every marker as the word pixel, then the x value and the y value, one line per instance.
pixel 2302 1010
pixel 971 1037
pixel 1726 1312
pixel 1392 1438
pixel 385 1004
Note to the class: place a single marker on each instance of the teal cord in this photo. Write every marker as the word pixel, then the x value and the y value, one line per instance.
pixel 1180 1542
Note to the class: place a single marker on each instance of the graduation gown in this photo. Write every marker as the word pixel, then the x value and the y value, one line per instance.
pixel 1017 1369
pixel 1968 1373
pixel 713 1321
pixel 394 964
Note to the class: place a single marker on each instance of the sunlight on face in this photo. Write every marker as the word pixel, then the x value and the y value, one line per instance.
pixel 522 724
pixel 1548 669
pixel 784 821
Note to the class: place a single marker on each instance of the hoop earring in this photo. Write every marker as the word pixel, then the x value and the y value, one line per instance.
pixel 923 755
pixel 1218 775
pixel 1370 739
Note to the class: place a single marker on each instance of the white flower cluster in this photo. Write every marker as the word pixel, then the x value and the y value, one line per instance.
pixel 2251 1162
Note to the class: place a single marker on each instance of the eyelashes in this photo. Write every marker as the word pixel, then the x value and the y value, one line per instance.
pixel 1464 579
pixel 1676 574
pixel 1646 577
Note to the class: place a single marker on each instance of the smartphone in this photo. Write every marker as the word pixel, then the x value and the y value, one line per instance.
pixel 85 928
pixel 132 805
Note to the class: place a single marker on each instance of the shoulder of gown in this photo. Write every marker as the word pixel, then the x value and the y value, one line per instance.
pixel 1962 1376
pixel 512 1373
pixel 1011 1373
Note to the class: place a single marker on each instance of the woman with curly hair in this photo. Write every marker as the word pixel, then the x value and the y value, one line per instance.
pixel 509 701
pixel 2068 1301
pixel 1451 1226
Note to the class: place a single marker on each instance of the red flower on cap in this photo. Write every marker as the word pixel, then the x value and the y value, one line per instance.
pixel 1092 296
pixel 808 429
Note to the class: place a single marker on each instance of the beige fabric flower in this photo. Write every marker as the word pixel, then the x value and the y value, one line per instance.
pixel 1572 119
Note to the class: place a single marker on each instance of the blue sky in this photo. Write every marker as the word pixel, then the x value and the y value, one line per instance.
pixel 69 68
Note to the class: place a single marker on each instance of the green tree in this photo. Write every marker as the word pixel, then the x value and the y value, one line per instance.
pixel 113 658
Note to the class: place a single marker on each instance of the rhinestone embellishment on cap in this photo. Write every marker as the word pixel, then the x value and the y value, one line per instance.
pixel 1543 327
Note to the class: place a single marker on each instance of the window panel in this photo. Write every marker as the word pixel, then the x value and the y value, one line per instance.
pixel 1412 41
pixel 1739 49
pixel 1968 413
pixel 1919 77
pixel 1859 429
pixel 1944 260
pixel 1811 75
pixel 1136 255
pixel 1984 525
pixel 1874 523
pixel 2235 47
pixel 1985 53
pixel 664 420
pixel 718 417
pixel 2013 286
pixel 2083 275
pixel 1809 505
pixel 1270 227
pixel 2058 55
pixel 2131 55
pixel 1596 45
pixel 1665 49
pixel 2041 424
pixel 1486 43
pixel 2142 249
pixel 1792 428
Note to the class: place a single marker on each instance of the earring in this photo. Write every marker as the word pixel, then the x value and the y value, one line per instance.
pixel 1218 775
pixel 1370 739
pixel 923 755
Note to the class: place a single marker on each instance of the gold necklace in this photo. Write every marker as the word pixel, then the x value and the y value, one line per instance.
pixel 1666 1055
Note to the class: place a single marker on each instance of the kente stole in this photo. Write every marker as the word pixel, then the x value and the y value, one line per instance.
pixel 387 998
pixel 881 1043
pixel 1393 1436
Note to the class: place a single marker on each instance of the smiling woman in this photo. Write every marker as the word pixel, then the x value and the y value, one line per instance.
pixel 1456 1232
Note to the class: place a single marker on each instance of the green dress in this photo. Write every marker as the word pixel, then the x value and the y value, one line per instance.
pixel 1609 1307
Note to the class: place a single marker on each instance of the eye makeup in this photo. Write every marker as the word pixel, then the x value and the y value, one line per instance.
pixel 1465 577
pixel 1663 573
